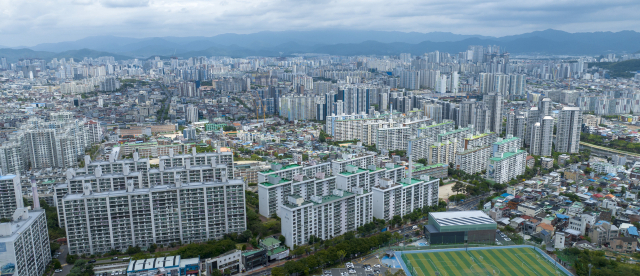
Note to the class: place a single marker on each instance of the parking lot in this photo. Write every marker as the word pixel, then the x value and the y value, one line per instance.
pixel 503 239
pixel 358 269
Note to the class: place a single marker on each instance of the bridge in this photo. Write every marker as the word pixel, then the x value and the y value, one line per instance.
pixel 607 152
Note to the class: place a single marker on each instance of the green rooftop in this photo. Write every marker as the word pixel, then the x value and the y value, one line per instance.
pixel 504 141
pixel 413 182
pixel 276 250
pixel 435 125
pixel 269 184
pixel 506 155
pixel 247 253
pixel 270 241
pixel 350 173
pixel 454 131
pixel 423 167
pixel 480 135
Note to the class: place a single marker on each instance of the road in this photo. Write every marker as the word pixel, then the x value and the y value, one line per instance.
pixel 66 268
pixel 470 203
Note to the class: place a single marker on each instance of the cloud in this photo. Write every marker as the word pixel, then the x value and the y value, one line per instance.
pixel 124 3
pixel 23 23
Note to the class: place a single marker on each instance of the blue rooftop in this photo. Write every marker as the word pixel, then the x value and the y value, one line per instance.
pixel 561 216
pixel 633 231
pixel 505 195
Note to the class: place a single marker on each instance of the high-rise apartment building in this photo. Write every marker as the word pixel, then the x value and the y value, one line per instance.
pixel 494 104
pixel 542 137
pixel 192 114
pixel 504 166
pixel 98 222
pixel 12 158
pixel 10 194
pixel 391 198
pixel 25 243
pixel 568 130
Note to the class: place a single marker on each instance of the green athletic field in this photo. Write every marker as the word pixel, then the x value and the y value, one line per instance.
pixel 499 261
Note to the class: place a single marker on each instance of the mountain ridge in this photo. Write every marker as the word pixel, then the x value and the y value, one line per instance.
pixel 336 42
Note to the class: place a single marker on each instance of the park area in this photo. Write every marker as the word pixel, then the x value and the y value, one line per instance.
pixel 498 261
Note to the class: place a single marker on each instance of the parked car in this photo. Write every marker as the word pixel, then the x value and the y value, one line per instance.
pixel 57 271
pixel 114 258
pixel 91 261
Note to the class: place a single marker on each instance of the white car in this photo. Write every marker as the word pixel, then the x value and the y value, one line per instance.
pixel 507 239
pixel 498 243
pixel 58 271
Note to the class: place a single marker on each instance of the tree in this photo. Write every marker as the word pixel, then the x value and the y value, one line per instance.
pixel 71 259
pixel 153 248
pixel 132 250
pixel 229 128
pixel 81 268
pixel 278 271
pixel 54 247
pixel 56 264
pixel 282 239
pixel 341 254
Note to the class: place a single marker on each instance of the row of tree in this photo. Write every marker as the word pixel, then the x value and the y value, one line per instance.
pixel 332 252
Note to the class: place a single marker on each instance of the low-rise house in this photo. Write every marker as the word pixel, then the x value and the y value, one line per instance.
pixel 624 244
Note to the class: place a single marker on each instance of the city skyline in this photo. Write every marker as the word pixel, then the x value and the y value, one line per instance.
pixel 24 24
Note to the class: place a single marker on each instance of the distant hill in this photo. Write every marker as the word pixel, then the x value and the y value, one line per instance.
pixel 13 55
pixel 622 69
pixel 336 42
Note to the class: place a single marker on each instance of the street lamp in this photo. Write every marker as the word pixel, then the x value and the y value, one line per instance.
pixel 590 266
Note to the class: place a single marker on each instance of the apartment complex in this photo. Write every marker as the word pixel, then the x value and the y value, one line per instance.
pixel 350 171
pixel 97 222
pixel 25 243
pixel 56 143
pixel 114 204
pixel 325 216
pixel 399 198
pixel 504 166
pixel 473 160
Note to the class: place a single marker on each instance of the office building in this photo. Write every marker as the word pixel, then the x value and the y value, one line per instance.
pixel 460 227
pixel 25 243
pixel 568 130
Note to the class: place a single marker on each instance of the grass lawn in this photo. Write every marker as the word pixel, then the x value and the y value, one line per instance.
pixel 499 261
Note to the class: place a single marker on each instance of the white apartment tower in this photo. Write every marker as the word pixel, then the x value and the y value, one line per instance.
pixel 568 130
pixel 10 195
pixel 25 243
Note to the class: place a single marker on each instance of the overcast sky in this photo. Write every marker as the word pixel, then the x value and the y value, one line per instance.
pixel 29 22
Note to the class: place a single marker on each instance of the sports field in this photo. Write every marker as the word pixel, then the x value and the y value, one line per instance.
pixel 499 261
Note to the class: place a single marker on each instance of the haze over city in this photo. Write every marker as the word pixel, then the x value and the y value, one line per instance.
pixel 26 23
pixel 333 138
